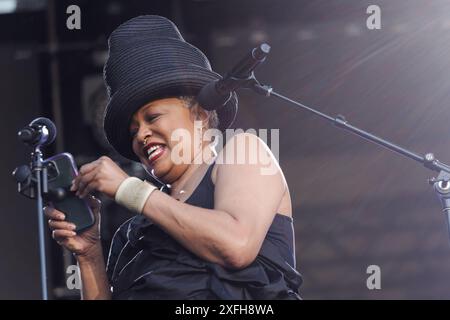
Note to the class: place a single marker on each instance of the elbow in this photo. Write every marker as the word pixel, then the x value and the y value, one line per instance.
pixel 237 263
pixel 240 256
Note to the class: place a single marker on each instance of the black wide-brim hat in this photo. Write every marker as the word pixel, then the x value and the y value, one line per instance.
pixel 149 60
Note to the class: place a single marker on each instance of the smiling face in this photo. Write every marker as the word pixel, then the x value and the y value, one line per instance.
pixel 151 128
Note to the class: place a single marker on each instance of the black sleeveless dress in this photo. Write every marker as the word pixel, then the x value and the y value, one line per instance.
pixel 146 263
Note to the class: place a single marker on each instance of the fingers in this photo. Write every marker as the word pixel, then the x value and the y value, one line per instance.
pixel 80 181
pixel 93 165
pixel 89 167
pixel 84 170
pixel 60 235
pixel 84 184
pixel 54 214
pixel 102 175
pixel 61 229
pixel 63 225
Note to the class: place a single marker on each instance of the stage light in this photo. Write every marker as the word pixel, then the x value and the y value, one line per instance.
pixel 8 6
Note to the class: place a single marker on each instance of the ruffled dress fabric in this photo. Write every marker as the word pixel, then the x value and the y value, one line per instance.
pixel 147 263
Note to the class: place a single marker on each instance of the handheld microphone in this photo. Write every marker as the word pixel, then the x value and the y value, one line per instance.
pixel 216 94
pixel 40 132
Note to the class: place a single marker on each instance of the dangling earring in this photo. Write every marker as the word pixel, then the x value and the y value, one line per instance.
pixel 200 130
pixel 212 146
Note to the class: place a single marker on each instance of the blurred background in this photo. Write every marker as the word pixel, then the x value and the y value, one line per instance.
pixel 355 204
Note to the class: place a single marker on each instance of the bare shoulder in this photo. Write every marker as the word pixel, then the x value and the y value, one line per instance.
pixel 244 148
pixel 246 158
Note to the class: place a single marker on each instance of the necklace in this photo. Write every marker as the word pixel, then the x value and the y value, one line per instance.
pixel 178 194
pixel 173 193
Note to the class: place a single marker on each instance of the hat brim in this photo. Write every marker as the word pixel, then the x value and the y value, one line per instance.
pixel 186 80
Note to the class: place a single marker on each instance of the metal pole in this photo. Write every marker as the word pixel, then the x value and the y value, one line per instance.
pixel 43 263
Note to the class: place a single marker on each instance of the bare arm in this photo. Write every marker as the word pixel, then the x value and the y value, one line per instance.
pixel 232 233
pixel 95 285
pixel 247 195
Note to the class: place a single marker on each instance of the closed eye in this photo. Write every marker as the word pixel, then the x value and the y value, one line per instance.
pixel 151 117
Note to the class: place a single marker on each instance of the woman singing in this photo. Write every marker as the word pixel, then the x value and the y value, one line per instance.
pixel 224 230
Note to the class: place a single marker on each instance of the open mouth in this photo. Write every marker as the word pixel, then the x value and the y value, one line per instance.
pixel 154 150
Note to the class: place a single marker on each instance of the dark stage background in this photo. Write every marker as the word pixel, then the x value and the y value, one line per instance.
pixel 355 204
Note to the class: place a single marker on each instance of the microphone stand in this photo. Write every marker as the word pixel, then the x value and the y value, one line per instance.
pixel 40 175
pixel 441 183
pixel 32 182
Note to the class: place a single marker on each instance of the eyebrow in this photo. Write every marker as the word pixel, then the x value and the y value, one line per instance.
pixel 147 106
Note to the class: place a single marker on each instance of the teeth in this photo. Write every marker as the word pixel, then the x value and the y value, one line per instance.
pixel 152 149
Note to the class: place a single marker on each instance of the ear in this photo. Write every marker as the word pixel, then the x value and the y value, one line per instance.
pixel 198 113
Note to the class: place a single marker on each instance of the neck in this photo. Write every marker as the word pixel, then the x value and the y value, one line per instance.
pixel 200 159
